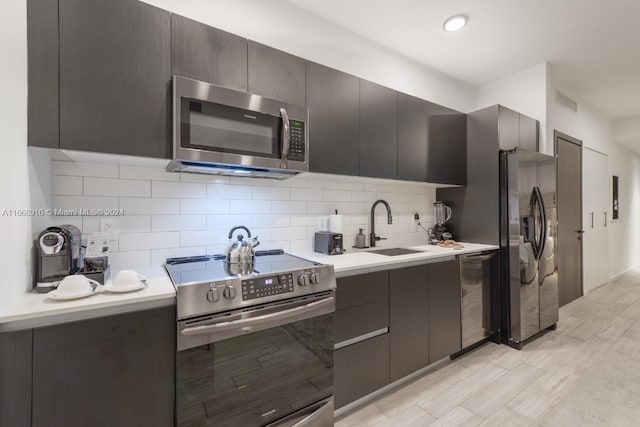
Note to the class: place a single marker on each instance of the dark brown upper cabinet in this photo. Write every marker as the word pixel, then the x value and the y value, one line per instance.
pixel 378 131
pixel 333 98
pixel 204 53
pixel 276 74
pixel 516 130
pixel 42 51
pixel 447 146
pixel 115 72
pixel 413 154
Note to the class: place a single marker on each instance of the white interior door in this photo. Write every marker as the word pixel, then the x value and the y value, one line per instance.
pixel 595 204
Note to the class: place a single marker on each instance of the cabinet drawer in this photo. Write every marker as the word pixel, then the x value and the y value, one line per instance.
pixel 362 289
pixel 355 321
pixel 361 369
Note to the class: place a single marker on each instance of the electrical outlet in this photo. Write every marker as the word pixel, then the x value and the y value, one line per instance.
pixel 107 227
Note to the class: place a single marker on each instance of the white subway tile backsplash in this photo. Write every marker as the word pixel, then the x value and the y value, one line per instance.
pixel 181 214
pixel 116 187
pixel 223 191
pixel 291 207
pixel 181 190
pixel 314 194
pixel 225 222
pixel 271 193
pixel 84 202
pixel 204 206
pixel 155 174
pixel 136 206
pixel 139 241
pixel 178 222
pixel 255 206
pixel 84 169
pixel 66 185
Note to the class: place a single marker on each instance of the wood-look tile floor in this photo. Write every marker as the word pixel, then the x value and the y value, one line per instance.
pixel 586 373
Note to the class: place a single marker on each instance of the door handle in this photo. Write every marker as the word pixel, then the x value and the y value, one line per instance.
pixel 286 138
pixel 580 231
pixel 605 218
pixel 591 219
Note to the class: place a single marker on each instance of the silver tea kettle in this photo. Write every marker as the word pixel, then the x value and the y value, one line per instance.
pixel 240 251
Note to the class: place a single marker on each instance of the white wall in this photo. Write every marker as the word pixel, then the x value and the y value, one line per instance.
pixel 524 91
pixel 14 176
pixel 282 25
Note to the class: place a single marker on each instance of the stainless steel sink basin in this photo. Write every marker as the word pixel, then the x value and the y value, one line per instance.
pixel 395 251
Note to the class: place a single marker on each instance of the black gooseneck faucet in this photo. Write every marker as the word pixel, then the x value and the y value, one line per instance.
pixel 372 236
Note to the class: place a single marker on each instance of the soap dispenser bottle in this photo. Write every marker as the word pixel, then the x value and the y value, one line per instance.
pixel 361 241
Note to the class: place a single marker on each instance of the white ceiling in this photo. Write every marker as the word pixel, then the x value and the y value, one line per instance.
pixel 593 45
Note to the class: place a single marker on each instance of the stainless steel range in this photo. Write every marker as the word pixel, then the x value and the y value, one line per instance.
pixel 255 344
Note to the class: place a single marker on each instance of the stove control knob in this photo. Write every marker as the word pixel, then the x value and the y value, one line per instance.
pixel 315 278
pixel 303 280
pixel 213 295
pixel 229 292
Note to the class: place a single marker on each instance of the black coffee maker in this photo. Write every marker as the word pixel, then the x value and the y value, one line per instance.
pixel 58 255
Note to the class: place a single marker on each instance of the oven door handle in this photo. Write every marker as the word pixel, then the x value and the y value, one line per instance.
pixel 286 138
pixel 323 306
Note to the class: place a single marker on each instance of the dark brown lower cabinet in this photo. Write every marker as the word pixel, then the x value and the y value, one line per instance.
pixel 110 371
pixel 445 336
pixel 409 320
pixel 360 369
pixel 15 378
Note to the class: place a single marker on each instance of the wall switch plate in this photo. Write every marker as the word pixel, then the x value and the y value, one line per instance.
pixel 107 227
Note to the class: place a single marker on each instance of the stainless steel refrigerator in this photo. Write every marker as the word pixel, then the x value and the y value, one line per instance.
pixel 528 230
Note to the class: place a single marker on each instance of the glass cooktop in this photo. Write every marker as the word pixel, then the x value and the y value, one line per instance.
pixel 209 268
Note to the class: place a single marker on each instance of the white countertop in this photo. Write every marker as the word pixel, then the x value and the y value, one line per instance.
pixel 363 261
pixel 33 309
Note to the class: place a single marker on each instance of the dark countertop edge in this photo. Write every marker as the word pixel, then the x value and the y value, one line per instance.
pixel 85 314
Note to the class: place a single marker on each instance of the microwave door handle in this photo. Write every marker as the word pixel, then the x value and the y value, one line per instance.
pixel 286 138
pixel 253 324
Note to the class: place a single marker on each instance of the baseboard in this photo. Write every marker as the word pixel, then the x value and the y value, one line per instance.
pixel 624 272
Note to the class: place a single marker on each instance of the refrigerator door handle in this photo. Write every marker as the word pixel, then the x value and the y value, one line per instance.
pixel 543 219
pixel 535 242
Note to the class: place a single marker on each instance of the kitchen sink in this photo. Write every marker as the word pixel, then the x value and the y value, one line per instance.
pixel 395 251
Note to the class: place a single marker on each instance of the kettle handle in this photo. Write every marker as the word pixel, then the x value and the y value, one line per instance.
pixel 238 227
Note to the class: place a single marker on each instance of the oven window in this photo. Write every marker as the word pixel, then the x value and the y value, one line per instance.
pixel 255 379
pixel 216 127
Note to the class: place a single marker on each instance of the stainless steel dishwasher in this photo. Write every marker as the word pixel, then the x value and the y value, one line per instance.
pixel 479 306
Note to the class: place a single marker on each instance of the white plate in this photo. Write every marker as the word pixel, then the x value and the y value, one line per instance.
pixel 131 288
pixel 55 295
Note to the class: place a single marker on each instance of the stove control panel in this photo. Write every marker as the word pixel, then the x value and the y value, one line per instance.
pixel 267 286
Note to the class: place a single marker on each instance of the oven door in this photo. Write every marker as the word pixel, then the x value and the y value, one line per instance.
pixel 217 125
pixel 269 365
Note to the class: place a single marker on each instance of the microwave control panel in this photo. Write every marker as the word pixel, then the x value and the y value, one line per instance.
pixel 297 141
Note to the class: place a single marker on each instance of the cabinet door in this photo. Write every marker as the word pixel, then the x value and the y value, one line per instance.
pixel 42 45
pixel 361 369
pixel 276 74
pixel 378 131
pixel 15 378
pixel 447 147
pixel 116 370
pixel 409 321
pixel 412 138
pixel 115 71
pixel 334 109
pixel 528 133
pixel 444 310
pixel 204 53
pixel 508 128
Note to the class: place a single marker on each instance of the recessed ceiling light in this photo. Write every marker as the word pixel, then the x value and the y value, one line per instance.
pixel 455 23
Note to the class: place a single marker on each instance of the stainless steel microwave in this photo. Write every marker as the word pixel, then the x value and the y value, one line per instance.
pixel 226 132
